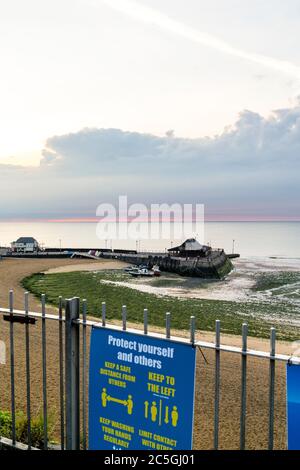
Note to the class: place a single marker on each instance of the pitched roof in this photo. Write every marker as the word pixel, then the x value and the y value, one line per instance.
pixel 191 244
pixel 26 240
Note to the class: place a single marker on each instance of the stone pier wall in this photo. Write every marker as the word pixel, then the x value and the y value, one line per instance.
pixel 215 266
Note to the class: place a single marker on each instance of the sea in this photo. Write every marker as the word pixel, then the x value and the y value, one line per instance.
pixel 266 274
pixel 249 239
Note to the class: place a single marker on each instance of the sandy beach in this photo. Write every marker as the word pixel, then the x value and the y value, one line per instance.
pixel 13 271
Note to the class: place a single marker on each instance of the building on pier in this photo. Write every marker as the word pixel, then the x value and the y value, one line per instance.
pixel 191 248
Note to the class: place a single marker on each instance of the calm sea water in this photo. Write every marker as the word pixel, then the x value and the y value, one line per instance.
pixel 259 239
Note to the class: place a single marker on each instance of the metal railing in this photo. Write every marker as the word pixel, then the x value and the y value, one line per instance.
pixel 73 367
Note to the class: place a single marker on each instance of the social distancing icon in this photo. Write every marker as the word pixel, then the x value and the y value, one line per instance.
pixel 105 398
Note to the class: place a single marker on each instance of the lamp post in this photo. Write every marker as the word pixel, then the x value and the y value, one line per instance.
pixel 233 241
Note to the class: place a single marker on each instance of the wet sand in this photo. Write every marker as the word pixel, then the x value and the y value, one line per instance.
pixel 236 287
pixel 13 271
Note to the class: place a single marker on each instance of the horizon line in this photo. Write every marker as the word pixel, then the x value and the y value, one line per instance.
pixel 133 219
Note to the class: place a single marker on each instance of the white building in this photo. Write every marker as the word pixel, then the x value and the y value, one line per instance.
pixel 25 245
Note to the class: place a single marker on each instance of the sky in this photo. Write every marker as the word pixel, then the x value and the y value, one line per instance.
pixel 162 100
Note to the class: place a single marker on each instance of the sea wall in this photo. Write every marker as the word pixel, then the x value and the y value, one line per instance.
pixel 215 266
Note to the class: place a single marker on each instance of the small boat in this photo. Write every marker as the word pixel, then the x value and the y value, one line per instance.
pixel 142 270
pixel 137 272
pixel 129 268
pixel 156 270
pixel 146 272
pixel 134 274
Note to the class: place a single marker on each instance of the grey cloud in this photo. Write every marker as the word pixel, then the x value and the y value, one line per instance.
pixel 252 166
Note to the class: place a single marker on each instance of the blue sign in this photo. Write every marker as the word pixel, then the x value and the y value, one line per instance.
pixel 141 392
pixel 293 406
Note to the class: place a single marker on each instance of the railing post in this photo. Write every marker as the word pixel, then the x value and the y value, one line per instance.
pixel 217 385
pixel 124 317
pixel 72 375
pixel 12 366
pixel 61 376
pixel 244 388
pixel 272 388
pixel 44 372
pixel 192 329
pixel 168 325
pixel 103 314
pixel 145 321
